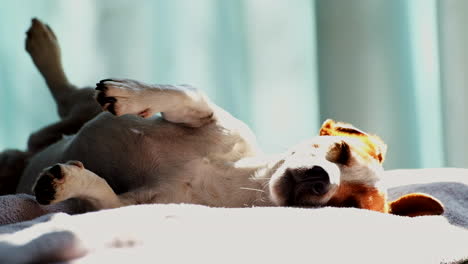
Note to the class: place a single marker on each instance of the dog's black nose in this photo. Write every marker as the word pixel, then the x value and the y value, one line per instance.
pixel 316 179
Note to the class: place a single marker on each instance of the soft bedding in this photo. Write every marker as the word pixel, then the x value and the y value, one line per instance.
pixel 198 234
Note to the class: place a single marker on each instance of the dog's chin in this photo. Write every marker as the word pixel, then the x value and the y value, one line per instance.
pixel 287 190
pixel 305 195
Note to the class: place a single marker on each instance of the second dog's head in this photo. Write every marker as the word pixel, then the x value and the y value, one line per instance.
pixel 342 167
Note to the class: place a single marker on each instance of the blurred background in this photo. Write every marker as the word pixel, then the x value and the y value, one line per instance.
pixel 397 68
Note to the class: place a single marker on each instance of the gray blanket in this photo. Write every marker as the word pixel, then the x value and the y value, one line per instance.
pixel 176 233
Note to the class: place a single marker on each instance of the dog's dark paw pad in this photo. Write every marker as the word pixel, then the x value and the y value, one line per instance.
pixel 107 103
pixel 103 99
pixel 56 171
pixel 45 187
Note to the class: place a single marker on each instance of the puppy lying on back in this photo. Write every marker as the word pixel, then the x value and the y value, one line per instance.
pixel 193 152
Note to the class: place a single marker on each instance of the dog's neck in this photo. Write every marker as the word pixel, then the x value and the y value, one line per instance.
pixel 242 183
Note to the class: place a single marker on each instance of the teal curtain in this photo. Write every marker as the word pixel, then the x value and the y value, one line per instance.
pixel 396 68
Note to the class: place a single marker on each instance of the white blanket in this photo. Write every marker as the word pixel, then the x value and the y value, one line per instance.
pixel 183 233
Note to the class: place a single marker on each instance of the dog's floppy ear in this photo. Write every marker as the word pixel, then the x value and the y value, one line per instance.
pixel 416 204
pixel 372 144
pixel 339 153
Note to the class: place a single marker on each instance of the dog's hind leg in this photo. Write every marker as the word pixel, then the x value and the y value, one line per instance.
pixel 75 106
pixel 43 47
pixel 12 164
pixel 181 104
pixel 72 180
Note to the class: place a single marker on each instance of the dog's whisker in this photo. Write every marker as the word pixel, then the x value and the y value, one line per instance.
pixel 265 184
pixel 251 189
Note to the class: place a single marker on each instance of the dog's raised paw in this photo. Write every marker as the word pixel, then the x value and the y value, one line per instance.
pixel 46 185
pixel 122 96
pixel 42 45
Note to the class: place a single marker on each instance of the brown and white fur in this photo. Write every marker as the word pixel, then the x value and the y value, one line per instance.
pixel 171 144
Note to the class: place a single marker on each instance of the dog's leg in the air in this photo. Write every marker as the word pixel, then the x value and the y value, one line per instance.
pixel 43 47
pixel 71 180
pixel 180 104
pixel 75 106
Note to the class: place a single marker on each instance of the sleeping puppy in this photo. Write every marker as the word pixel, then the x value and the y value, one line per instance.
pixel 171 144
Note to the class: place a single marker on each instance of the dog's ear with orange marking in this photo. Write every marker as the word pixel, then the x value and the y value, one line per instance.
pixel 332 128
pixel 371 144
pixel 416 204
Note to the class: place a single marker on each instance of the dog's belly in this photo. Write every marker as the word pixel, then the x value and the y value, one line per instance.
pixel 131 152
pixel 126 151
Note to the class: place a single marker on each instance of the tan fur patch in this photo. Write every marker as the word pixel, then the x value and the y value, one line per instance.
pixel 359 196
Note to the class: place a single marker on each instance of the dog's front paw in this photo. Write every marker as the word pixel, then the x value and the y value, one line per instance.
pixel 47 184
pixel 122 96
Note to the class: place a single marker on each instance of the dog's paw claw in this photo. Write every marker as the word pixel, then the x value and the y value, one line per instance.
pixel 101 87
pixel 106 80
